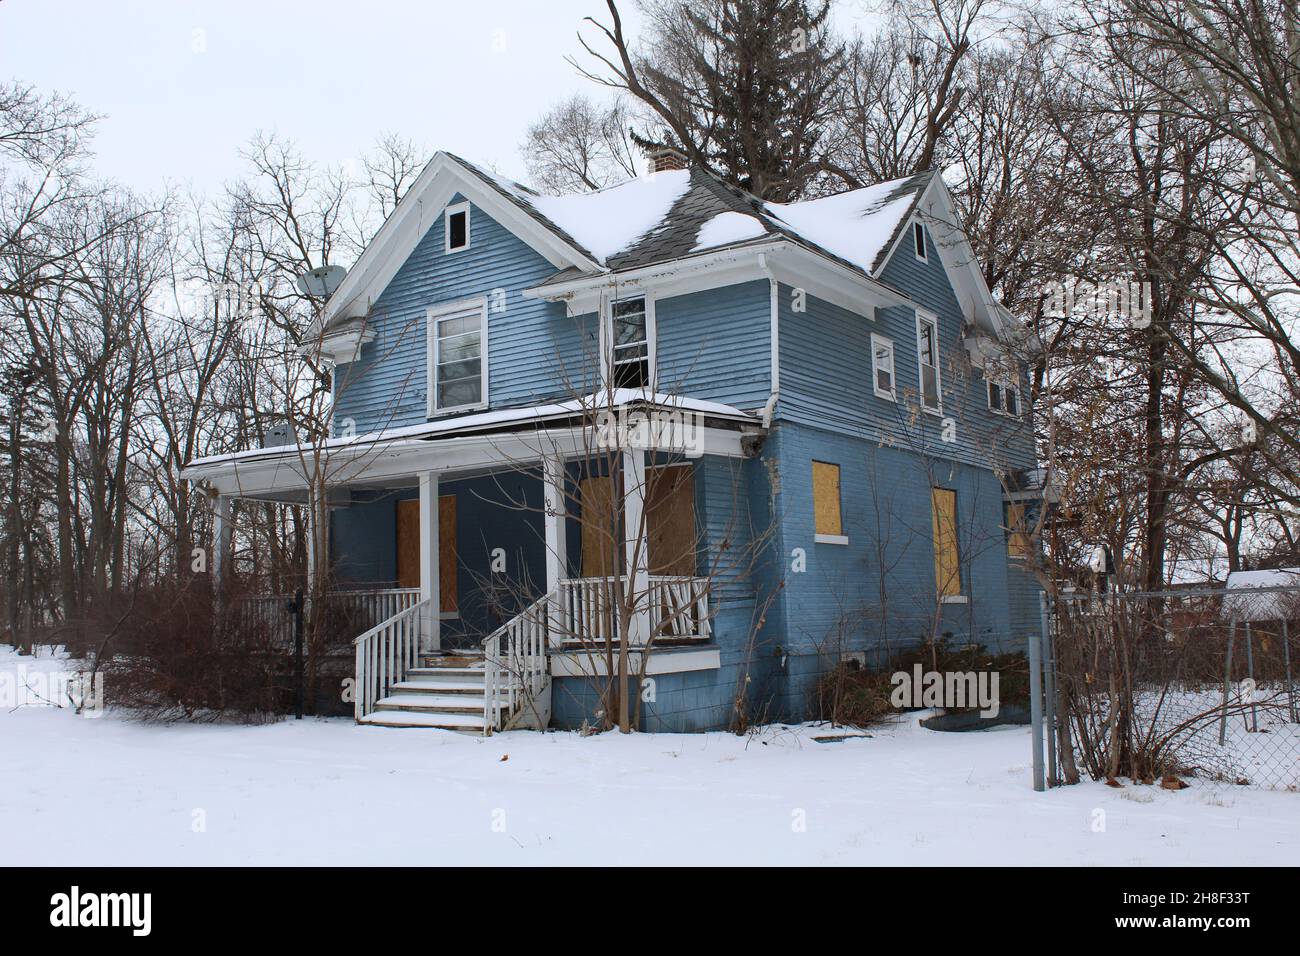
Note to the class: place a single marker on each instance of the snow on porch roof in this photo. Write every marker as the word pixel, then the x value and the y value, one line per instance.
pixel 499 419
pixel 1264 606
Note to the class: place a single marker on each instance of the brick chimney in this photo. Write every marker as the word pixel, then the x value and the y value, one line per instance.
pixel 663 158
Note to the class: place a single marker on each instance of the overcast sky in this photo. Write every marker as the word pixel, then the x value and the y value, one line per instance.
pixel 183 85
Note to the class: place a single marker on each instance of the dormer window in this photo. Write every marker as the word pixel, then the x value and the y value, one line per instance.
pixel 457 227
pixel 918 241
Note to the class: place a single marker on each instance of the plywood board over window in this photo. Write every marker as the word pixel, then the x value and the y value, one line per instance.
pixel 599 524
pixel 828 523
pixel 408 549
pixel 947 562
pixel 670 520
pixel 1017 535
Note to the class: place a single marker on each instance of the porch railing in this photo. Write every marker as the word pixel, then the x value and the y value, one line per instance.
pixel 384 654
pixel 364 607
pixel 515 669
pixel 678 604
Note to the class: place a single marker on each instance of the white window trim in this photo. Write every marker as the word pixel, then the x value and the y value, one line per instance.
pixel 923 254
pixel 830 539
pixel 446 227
pixel 923 317
pixel 892 394
pixel 1006 386
pixel 955 599
pixel 431 315
pixel 651 339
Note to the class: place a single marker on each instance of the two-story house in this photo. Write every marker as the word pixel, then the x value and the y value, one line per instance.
pixel 855 480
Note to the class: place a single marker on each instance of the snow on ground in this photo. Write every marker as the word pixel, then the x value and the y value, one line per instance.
pixel 102 791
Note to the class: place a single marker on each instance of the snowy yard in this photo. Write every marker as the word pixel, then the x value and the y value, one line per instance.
pixel 110 791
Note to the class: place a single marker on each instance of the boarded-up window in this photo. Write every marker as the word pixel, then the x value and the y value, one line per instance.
pixel 670 520
pixel 408 548
pixel 947 564
pixel 599 524
pixel 1017 534
pixel 826 499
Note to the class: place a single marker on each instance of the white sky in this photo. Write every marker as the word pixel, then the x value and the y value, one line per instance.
pixel 182 86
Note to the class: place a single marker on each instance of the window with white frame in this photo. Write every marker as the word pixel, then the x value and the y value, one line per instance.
pixel 918 241
pixel 457 367
pixel 456 224
pixel 882 366
pixel 927 354
pixel 629 353
pixel 1004 398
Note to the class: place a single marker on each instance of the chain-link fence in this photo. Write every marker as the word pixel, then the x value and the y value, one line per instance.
pixel 1156 687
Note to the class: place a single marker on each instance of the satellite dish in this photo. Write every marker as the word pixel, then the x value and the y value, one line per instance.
pixel 321 282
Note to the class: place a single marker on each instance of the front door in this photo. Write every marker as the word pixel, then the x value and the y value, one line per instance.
pixel 408 548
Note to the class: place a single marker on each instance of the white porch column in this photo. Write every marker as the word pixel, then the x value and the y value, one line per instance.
pixel 636 548
pixel 430 630
pixel 313 542
pixel 556 543
pixel 222 534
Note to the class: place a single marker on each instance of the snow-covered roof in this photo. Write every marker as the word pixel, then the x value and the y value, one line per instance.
pixel 857 226
pixel 1267 605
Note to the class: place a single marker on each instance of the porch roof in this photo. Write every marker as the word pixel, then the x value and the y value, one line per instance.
pixel 461 443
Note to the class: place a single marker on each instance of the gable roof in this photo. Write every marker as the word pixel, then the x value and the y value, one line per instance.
pixel 655 219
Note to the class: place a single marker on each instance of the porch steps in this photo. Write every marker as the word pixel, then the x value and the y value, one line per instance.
pixel 465 723
pixel 446 692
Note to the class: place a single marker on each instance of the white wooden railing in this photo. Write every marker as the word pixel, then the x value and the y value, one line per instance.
pixel 588 612
pixel 384 654
pixel 515 666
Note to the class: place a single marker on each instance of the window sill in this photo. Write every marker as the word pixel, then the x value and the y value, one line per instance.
pixel 443 412
pixel 887 396
pixel 831 538
pixel 954 599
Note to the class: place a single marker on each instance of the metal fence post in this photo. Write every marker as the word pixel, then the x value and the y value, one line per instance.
pixel 296 607
pixel 1036 695
pixel 1049 691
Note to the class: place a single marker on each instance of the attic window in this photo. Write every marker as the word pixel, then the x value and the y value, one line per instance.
pixel 457 223
pixel 918 241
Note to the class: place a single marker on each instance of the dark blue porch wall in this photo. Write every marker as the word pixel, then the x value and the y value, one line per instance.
pixel 738 550
pixel 364 543
pixel 716 344
pixel 528 339
pixel 836 605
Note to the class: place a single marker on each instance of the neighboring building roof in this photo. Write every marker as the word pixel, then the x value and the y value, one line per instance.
pixel 1265 606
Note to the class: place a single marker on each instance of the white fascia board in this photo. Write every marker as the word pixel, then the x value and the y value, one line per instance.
pixel 781 259
pixel 286 471
pixel 441 179
pixel 939 214
pixel 666 279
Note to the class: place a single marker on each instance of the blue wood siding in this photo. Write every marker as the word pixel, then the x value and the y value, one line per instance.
pixel 528 340
pixel 716 344
pixel 826 373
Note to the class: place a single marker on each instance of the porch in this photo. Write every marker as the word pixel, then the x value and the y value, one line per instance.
pixel 472 600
